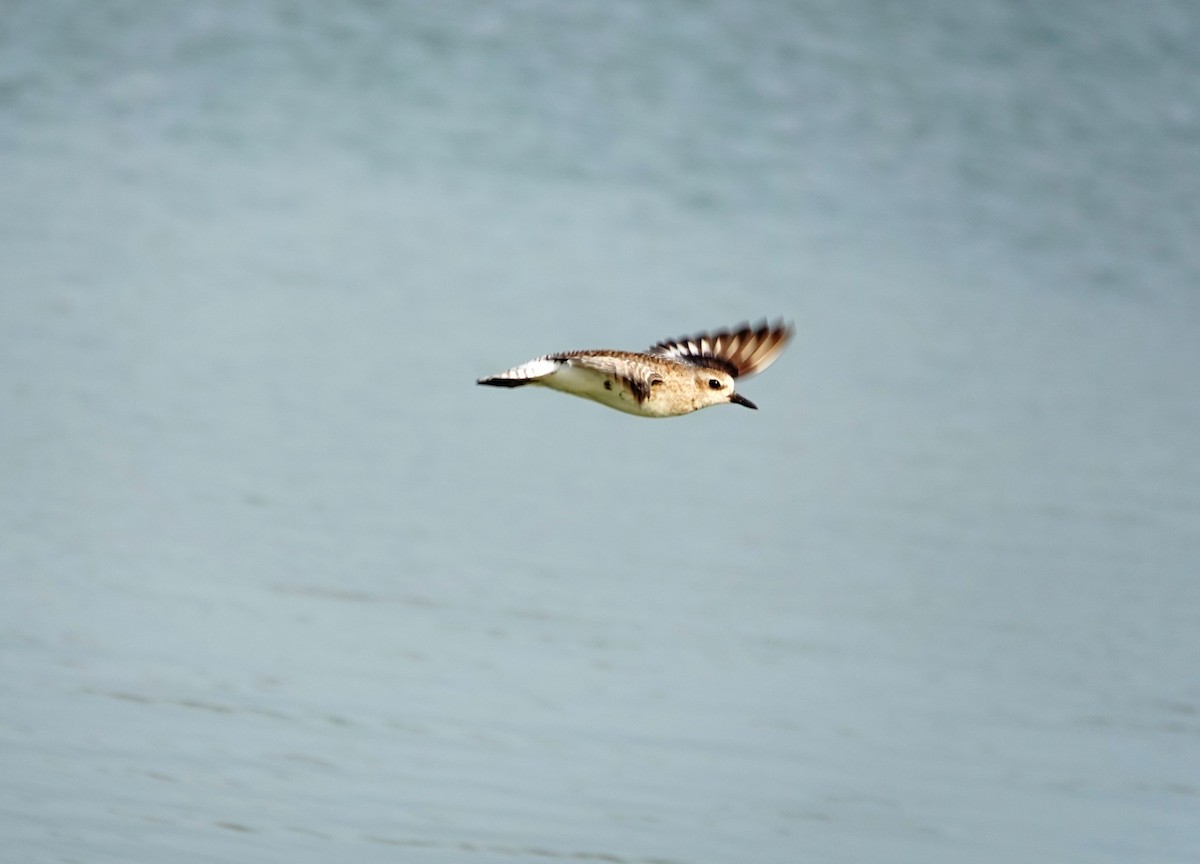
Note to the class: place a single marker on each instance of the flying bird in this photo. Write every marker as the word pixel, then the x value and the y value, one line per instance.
pixel 673 377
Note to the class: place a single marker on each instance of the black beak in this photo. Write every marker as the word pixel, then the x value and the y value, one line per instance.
pixel 739 399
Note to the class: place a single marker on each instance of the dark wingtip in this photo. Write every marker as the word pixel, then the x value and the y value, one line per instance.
pixel 501 382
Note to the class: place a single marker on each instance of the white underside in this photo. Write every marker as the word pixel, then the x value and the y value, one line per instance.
pixel 589 384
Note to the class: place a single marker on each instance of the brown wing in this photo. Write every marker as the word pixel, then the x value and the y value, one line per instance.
pixel 742 350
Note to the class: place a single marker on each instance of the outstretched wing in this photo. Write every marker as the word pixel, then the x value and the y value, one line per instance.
pixel 742 350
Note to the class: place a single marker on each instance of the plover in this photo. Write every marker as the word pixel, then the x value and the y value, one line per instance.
pixel 676 376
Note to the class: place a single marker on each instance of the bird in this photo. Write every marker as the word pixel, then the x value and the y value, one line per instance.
pixel 669 379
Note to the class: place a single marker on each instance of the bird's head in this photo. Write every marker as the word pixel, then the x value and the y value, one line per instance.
pixel 714 387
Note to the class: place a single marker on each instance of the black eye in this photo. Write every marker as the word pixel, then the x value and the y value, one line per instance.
pixel 714 384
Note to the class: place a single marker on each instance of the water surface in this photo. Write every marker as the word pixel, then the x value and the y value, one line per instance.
pixel 280 584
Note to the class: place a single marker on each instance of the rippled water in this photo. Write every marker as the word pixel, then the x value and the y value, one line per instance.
pixel 279 583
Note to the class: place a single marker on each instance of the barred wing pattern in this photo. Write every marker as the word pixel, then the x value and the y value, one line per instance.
pixel 741 351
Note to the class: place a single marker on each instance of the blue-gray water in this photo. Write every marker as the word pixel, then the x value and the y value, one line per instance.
pixel 279 583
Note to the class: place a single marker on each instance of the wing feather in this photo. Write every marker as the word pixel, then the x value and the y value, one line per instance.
pixel 741 351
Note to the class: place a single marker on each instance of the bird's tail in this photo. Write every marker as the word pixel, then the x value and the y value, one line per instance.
pixel 526 373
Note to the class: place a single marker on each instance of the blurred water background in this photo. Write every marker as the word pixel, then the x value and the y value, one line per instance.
pixel 279 583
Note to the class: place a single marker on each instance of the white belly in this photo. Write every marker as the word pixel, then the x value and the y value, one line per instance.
pixel 599 387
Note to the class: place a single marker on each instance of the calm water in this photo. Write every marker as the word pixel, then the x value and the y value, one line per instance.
pixel 279 583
